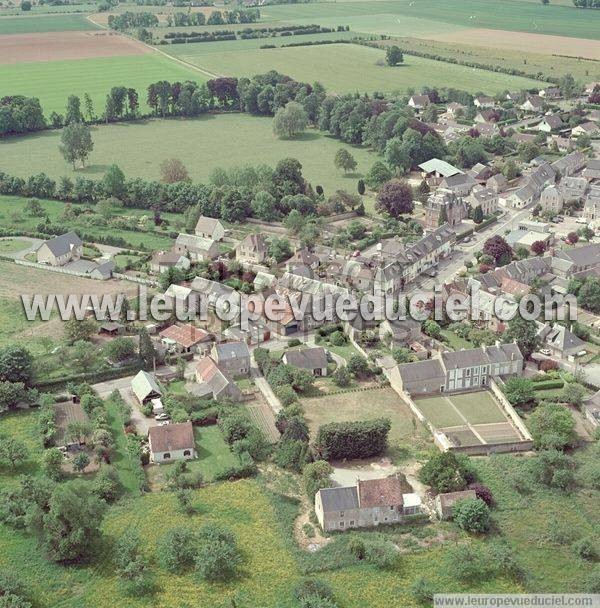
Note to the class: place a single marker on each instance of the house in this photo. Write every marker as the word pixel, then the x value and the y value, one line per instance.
pixel 214 382
pixel 103 271
pixel 435 170
pixel 488 129
pixel 550 93
pixel 163 260
pixel 145 388
pixel 521 197
pixel 455 109
pixel 484 102
pixel 461 183
pixel 497 183
pixel 313 360
pixel 419 102
pixel 591 207
pixel 232 357
pixel 460 370
pixel 581 258
pixel 574 188
pixel 367 504
pixel 564 144
pixel 111 328
pixel 185 338
pixel 197 248
pixel 591 408
pixel 551 200
pixel 551 122
pixel 561 341
pixel 569 164
pixel 60 250
pixel 172 442
pixel 486 116
pixel 587 128
pixel 66 414
pixel 444 207
pixel 481 173
pixel 400 332
pixel 253 249
pixel 209 228
pixel 591 87
pixel 594 115
pixel 592 171
pixel 486 198
pixel 444 502
pixel 533 103
pixel 303 258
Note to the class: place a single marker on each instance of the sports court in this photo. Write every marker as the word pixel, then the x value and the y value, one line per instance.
pixel 469 419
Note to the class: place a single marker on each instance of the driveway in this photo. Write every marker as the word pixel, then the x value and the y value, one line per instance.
pixel 265 388
pixel 20 255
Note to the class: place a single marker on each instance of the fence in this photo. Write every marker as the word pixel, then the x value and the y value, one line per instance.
pixel 58 269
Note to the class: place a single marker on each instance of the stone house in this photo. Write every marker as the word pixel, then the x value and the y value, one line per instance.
pixel 209 228
pixel 253 249
pixel 445 501
pixel 486 198
pixel 551 122
pixel 367 504
pixel 444 207
pixel 232 357
pixel 197 248
pixel 172 442
pixel 163 260
pixel 551 200
pixel 419 102
pixel 214 383
pixel 60 250
pixel 313 360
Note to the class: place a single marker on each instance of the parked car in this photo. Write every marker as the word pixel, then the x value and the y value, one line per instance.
pixel 163 416
pixel 545 351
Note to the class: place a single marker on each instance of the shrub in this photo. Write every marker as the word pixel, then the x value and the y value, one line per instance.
pixel 177 549
pixel 447 472
pixel 422 590
pixel 482 492
pixel 316 476
pixel 360 439
pixel 472 515
pixel 381 553
pixel 584 548
pixel 313 587
pixel 552 426
pixel 218 556
pixel 469 563
pixel 292 455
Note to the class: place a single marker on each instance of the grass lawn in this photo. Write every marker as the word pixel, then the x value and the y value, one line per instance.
pixel 426 17
pixel 52 82
pixel 203 144
pixel 13 245
pixel 439 412
pixel 478 408
pixel 36 24
pixel 13 215
pixel 21 425
pixel 455 342
pixel 363 405
pixel 346 68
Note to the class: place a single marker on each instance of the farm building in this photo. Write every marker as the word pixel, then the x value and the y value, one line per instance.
pixel 145 387
pixel 172 442
pixel 184 338
pixel 445 502
pixel 209 228
pixel 232 357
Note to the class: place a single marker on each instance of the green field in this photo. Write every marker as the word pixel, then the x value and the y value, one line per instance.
pixel 427 17
pixel 54 81
pixel 37 24
pixel 439 412
pixel 478 408
pixel 344 67
pixel 203 144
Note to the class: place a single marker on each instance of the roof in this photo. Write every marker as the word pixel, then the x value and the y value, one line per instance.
pixel 144 384
pixel 65 414
pixel 207 371
pixel 380 492
pixel 553 121
pixel 307 358
pixel 207 225
pixel 186 335
pixel 232 350
pixel 588 255
pixel 191 241
pixel 563 339
pixel 60 245
pixel 421 371
pixel 448 499
pixel 458 179
pixel 255 241
pixel 172 437
pixel 165 258
pixel 421 100
pixel 439 166
pixel 480 356
pixel 339 499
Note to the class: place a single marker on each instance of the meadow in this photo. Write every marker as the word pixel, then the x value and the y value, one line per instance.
pixel 52 82
pixel 426 17
pixel 203 144
pixel 344 68
pixel 36 24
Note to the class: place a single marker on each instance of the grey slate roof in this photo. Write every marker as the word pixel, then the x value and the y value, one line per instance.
pixel 421 370
pixel 339 499
pixel 62 244
pixel 232 350
pixel 588 255
pixel 307 358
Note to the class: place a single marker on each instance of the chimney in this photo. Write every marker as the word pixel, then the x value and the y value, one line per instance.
pixel 497 343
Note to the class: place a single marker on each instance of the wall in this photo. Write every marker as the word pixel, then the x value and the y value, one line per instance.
pixel 509 410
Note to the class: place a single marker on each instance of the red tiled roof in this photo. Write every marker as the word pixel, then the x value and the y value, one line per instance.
pixel 186 335
pixel 380 492
pixel 206 369
pixel 171 437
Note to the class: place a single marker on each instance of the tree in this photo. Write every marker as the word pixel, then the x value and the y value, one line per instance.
pixel 552 426
pixel 15 364
pixel 218 556
pixel 81 461
pixel 131 565
pixel 26 5
pixel 177 550
pixel 76 143
pixel 34 208
pixel 510 170
pixel 447 472
pixel 524 333
pixel 316 475
pixel 567 85
pixel 393 55
pixel 89 107
pixel 361 186
pixel 76 330
pixel 73 112
pixel 290 120
pixel 12 451
pixel 70 524
pixel 573 393
pixel 113 182
pixel 395 198
pixel 146 349
pixel 478 214
pixel 172 170
pixel 499 249
pixel 378 174
pixel 527 151
pixel 52 462
pixel 11 393
pixel 519 390
pixel 344 160
pixel 279 249
pixel 360 439
pixel 432 329
pixel 472 515
pixel 538 247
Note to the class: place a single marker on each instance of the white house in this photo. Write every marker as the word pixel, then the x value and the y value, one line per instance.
pixel 209 228
pixel 60 250
pixel 172 442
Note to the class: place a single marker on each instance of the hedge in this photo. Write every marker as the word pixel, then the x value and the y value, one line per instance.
pixel 548 384
pixel 359 439
pixel 89 377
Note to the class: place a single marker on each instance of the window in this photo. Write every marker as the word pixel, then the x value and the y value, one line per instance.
pixel 341 514
pixel 186 452
pixel 391 508
pixel 166 456
pixel 351 522
pixel 468 372
pixel 342 524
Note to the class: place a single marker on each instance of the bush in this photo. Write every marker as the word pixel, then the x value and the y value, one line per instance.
pixel 177 549
pixel 469 563
pixel 482 492
pixel 292 455
pixel 381 553
pixel 360 439
pixel 422 590
pixel 472 515
pixel 313 587
pixel 447 472
pixel 218 556
pixel 552 426
pixel 584 548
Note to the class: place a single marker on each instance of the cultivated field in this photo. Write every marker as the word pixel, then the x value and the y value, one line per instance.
pixel 344 67
pixel 427 17
pixel 58 46
pixel 44 23
pixel 203 144
pixel 363 405
pixel 53 82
